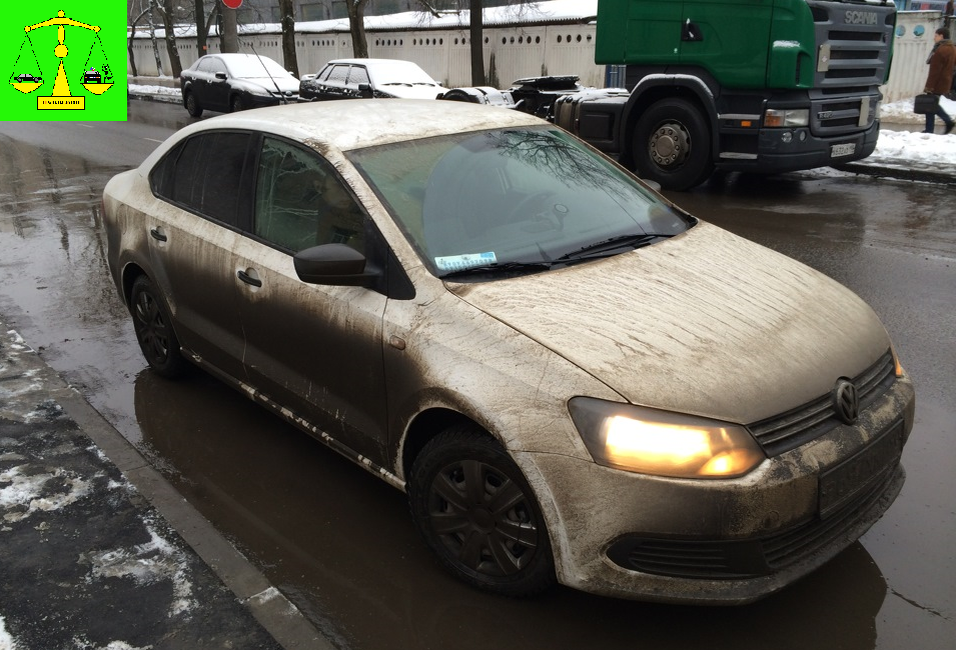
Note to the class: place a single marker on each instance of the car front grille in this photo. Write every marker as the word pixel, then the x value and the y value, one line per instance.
pixel 740 559
pixel 808 422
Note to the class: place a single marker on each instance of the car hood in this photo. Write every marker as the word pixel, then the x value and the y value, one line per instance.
pixel 706 323
pixel 259 84
pixel 403 91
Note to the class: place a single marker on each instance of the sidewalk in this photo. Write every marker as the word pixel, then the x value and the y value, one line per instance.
pixel 98 551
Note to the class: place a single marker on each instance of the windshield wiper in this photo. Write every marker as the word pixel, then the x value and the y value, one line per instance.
pixel 532 267
pixel 611 246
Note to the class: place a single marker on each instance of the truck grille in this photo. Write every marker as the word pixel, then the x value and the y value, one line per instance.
pixel 853 49
pixel 808 422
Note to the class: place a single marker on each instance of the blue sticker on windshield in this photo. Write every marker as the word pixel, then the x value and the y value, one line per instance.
pixel 462 262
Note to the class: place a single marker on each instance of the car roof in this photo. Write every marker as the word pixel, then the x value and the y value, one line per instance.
pixel 357 123
pixel 372 61
pixel 233 55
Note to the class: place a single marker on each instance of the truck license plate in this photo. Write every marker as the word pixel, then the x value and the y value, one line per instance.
pixel 847 149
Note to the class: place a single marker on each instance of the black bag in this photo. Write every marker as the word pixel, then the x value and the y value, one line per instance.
pixel 926 103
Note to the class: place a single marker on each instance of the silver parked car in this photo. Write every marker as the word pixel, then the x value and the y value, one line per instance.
pixel 572 378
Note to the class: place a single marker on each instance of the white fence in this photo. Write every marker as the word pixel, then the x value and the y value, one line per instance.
pixel 515 52
pixel 510 52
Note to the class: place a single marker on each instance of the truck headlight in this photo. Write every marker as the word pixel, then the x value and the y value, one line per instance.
pixel 790 117
pixel 650 441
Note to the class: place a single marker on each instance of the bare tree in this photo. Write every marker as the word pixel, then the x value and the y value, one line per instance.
pixel 476 35
pixel 475 28
pixel 287 20
pixel 356 10
pixel 171 50
pixel 200 25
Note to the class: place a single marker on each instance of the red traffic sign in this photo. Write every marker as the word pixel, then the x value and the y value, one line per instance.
pixel 232 4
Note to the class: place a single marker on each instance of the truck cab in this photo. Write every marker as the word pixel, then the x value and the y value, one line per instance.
pixel 744 85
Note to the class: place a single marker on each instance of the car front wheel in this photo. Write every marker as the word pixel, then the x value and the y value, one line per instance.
pixel 479 515
pixel 192 105
pixel 154 330
pixel 236 104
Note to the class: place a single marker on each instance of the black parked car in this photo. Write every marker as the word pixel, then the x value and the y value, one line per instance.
pixel 233 82
pixel 369 78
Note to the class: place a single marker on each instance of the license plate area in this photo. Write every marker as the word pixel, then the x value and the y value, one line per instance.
pixel 857 474
pixel 840 150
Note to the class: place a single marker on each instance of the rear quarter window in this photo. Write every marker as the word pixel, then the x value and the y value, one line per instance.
pixel 206 175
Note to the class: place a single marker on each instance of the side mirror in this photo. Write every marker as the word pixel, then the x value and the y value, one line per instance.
pixel 333 264
pixel 366 91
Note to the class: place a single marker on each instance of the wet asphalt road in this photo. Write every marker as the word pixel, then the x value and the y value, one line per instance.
pixel 340 544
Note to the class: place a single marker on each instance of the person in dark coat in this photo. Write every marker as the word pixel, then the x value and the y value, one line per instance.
pixel 940 78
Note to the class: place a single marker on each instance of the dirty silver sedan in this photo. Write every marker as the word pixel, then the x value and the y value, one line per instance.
pixel 572 379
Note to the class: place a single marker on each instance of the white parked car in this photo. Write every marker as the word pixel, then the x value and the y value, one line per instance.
pixel 369 78
pixel 572 378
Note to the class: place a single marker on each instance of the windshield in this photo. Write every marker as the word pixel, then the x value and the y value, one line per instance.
pixel 530 198
pixel 399 72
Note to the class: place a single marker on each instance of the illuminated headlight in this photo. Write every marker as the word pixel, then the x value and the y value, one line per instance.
pixel 662 443
pixel 897 366
pixel 778 117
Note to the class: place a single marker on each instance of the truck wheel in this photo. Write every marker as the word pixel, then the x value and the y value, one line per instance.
pixel 672 145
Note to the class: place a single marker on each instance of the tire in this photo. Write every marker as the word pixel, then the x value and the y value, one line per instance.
pixel 154 330
pixel 671 145
pixel 192 105
pixel 456 483
pixel 236 104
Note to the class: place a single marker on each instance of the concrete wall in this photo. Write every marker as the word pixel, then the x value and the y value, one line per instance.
pixel 510 52
pixel 515 52
pixel 914 41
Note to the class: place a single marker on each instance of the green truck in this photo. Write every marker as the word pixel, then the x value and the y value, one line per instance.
pixel 762 86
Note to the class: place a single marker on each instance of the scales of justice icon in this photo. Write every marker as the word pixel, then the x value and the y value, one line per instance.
pixel 97 82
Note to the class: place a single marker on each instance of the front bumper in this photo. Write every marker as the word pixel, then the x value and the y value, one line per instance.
pixel 803 151
pixel 727 541
pixel 258 101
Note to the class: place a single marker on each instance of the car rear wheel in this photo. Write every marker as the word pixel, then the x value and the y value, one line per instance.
pixel 479 515
pixel 192 105
pixel 154 330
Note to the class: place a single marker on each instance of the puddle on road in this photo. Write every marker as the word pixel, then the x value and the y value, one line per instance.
pixel 56 284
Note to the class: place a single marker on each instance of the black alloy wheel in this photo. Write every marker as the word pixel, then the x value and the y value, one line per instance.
pixel 192 104
pixel 154 330
pixel 479 515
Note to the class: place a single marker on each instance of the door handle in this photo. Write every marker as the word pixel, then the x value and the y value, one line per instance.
pixel 157 234
pixel 248 279
pixel 691 32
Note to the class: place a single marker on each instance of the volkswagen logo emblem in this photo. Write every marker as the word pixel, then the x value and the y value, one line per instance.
pixel 846 404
